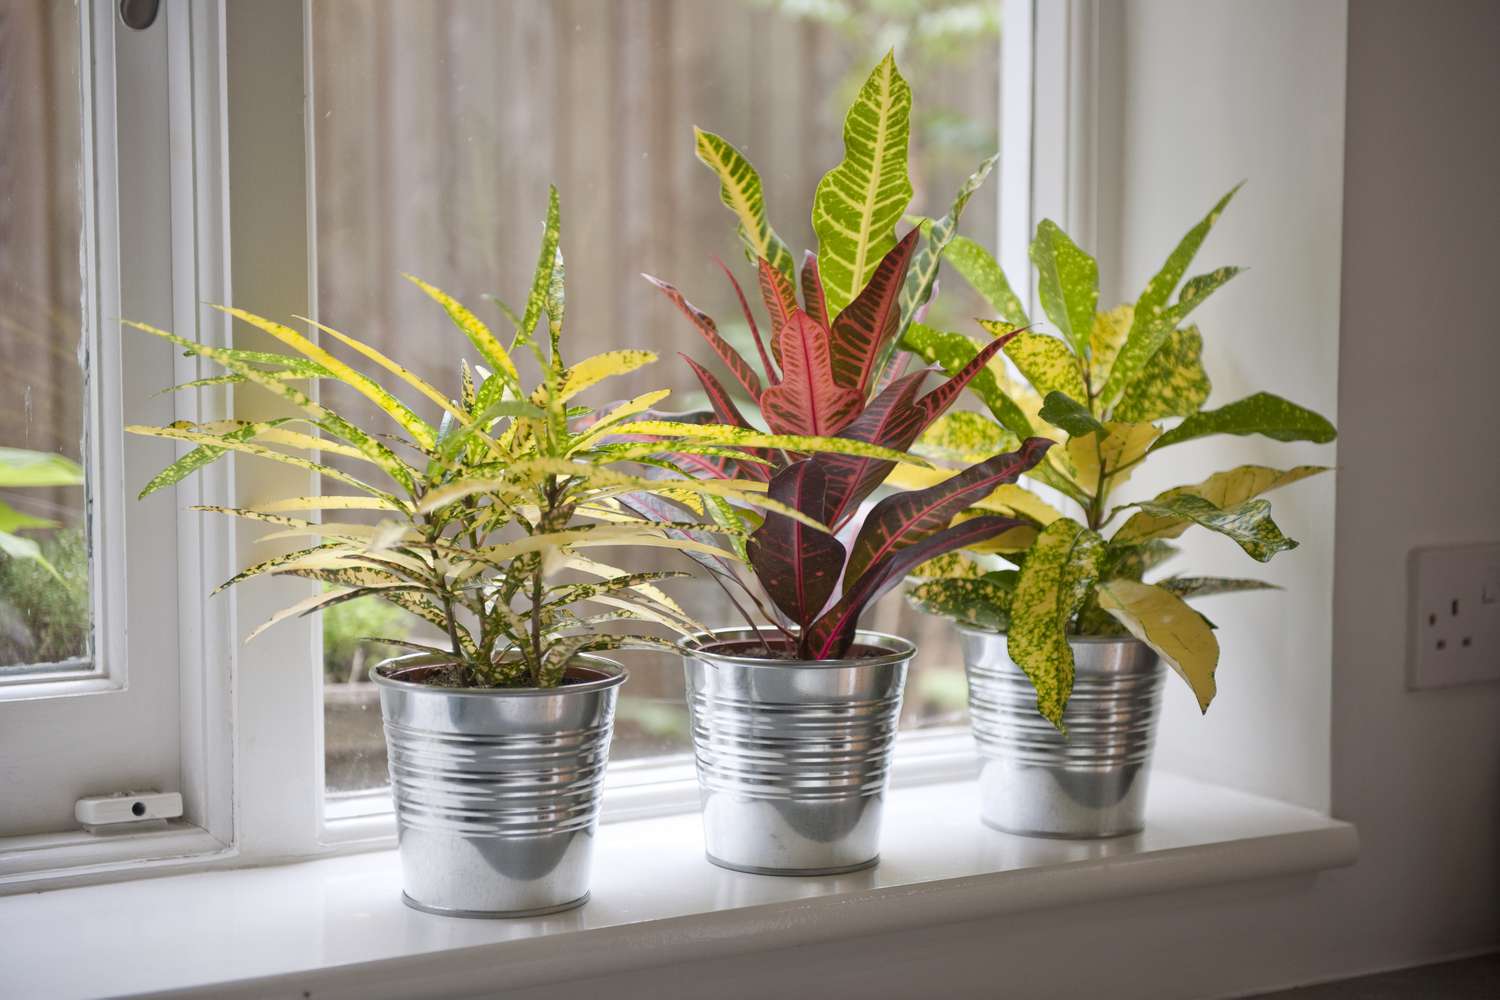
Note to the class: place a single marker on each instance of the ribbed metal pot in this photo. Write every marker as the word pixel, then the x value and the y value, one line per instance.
pixel 793 756
pixel 1035 781
pixel 497 789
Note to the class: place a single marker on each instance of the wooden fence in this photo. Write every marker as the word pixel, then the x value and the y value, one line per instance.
pixel 437 127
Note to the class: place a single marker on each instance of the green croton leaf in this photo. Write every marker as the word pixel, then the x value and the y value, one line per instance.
pixel 1161 620
pixel 1224 489
pixel 1105 341
pixel 963 438
pixel 1261 413
pixel 939 233
pixel 1063 411
pixel 542 277
pixel 1249 524
pixel 740 190
pixel 950 352
pixel 983 273
pixel 1172 384
pixel 858 203
pixel 1206 586
pixel 1153 320
pixel 949 566
pixel 1134 561
pixel 1060 569
pixel 1067 283
pixel 982 602
pixel 1045 362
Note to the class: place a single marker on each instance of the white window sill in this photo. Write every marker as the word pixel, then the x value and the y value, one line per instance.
pixel 337 926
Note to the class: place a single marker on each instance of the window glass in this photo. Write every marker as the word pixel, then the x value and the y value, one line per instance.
pixel 44 550
pixel 437 129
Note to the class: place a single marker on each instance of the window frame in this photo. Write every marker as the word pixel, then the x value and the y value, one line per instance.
pixel 241 230
pixel 155 254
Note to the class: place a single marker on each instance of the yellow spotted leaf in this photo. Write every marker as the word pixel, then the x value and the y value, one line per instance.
pixel 1060 568
pixel 1172 384
pixel 493 352
pixel 1017 539
pixel 1161 620
pixel 1046 362
pixel 1105 341
pixel 1120 449
pixel 949 566
pixel 591 371
pixel 1223 489
pixel 1012 498
pixel 964 438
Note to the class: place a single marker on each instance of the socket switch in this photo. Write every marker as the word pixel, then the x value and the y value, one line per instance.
pixel 1454 631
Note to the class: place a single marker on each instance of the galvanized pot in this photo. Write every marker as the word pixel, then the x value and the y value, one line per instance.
pixel 793 756
pixel 497 789
pixel 1091 783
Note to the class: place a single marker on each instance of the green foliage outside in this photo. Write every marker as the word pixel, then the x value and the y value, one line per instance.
pixel 44 617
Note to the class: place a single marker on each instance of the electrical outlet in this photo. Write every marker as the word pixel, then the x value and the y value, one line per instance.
pixel 1454 627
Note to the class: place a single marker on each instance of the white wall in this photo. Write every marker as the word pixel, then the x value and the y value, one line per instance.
pixel 1401 327
pixel 1207 95
pixel 1420 455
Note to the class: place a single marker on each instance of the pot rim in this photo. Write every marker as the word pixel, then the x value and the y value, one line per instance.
pixel 615 676
pixel 1089 639
pixel 898 650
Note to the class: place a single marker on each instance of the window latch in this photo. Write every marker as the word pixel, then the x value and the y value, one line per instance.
pixel 131 811
pixel 139 14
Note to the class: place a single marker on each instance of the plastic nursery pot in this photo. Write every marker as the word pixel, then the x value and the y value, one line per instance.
pixel 793 756
pixel 497 789
pixel 1036 781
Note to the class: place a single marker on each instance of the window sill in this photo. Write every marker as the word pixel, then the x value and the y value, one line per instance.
pixel 338 924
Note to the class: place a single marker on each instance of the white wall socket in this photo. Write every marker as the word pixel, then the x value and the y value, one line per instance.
pixel 1454 629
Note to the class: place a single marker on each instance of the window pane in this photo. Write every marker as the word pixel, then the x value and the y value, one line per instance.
pixel 44 554
pixel 438 127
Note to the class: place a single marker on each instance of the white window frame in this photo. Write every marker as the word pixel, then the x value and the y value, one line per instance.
pixel 145 99
pixel 241 230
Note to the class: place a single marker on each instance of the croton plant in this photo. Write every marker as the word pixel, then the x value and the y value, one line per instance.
pixel 1104 388
pixel 829 372
pixel 486 522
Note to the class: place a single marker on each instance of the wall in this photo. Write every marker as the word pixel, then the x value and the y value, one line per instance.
pixel 1209 95
pixel 1420 464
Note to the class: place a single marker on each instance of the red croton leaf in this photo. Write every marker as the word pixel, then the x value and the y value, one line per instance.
pixel 781 302
pixel 906 518
pixel 760 346
pixel 807 400
pixel 738 366
pixel 797 564
pixel 894 419
pixel 830 636
pixel 861 332
pixel 728 414
pixel 813 302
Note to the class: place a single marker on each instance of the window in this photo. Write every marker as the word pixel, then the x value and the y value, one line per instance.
pixel 45 617
pixel 437 128
pixel 170 167
pixel 96 697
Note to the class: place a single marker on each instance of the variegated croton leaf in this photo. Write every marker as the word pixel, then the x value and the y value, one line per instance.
pixel 859 202
pixel 1105 385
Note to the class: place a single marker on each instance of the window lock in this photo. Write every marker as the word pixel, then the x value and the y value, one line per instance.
pixel 127 811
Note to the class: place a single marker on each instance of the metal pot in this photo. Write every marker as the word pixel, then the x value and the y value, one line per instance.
pixel 1090 783
pixel 793 755
pixel 497 789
